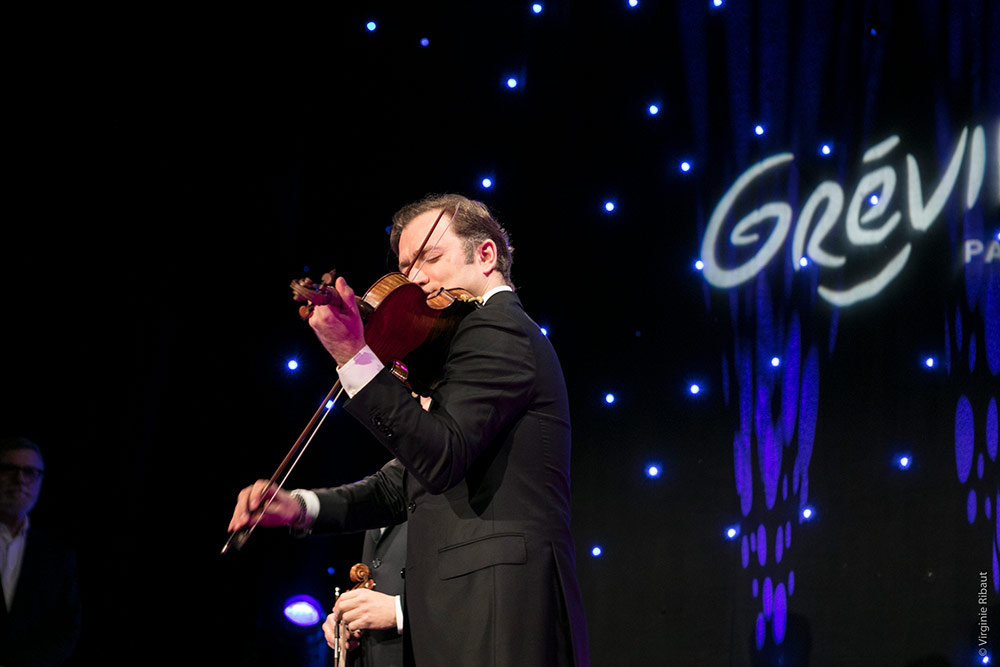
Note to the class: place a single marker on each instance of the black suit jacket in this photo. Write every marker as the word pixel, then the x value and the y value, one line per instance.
pixel 43 623
pixel 385 555
pixel 483 481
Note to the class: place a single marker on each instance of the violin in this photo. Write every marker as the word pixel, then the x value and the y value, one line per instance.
pixel 404 327
pixel 361 575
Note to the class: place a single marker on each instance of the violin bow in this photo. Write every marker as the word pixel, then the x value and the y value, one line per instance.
pixel 414 268
pixel 240 537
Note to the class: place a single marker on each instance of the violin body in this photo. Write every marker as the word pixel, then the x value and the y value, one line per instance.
pixel 402 324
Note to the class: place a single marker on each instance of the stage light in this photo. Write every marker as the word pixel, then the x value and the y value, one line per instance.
pixel 699 265
pixel 904 462
pixel 652 471
pixel 329 405
pixel 292 364
pixel 825 149
pixel 803 261
pixel 425 42
pixel 371 26
pixel 537 8
pixel 330 570
pixel 633 3
pixel 775 362
pixel 694 389
pixel 807 513
pixel 596 551
pixel 545 332
pixel 873 200
pixel 930 362
pixel 303 610
pixel 388 229
pixel 685 166
pixel 758 130
pixel 873 32
pixel 732 532
pixel 609 398
pixel 609 206
pixel 716 3
pixel 511 83
pixel 487 183
pixel 653 109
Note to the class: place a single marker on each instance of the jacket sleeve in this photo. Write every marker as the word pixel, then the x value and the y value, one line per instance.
pixel 487 383
pixel 375 501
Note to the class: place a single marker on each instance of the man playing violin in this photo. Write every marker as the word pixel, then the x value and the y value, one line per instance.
pixel 481 475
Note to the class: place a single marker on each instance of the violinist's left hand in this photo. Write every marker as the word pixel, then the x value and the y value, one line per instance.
pixel 338 325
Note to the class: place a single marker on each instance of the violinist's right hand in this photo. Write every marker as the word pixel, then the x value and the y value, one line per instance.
pixel 283 510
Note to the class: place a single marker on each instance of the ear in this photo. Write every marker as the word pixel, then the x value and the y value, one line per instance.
pixel 486 256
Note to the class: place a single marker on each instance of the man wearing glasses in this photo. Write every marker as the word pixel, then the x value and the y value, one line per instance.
pixel 40 615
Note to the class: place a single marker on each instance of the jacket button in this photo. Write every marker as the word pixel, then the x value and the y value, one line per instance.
pixel 402 573
pixel 377 563
pixel 412 507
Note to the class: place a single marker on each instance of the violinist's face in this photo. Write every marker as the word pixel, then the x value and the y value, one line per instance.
pixel 444 261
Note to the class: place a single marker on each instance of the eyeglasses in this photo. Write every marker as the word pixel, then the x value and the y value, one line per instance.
pixel 31 473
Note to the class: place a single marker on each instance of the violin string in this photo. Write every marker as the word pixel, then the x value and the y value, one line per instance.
pixel 415 270
pixel 291 467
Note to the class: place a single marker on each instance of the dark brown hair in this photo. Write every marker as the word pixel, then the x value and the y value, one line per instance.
pixel 473 223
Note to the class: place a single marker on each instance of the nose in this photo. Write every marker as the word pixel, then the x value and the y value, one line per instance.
pixel 419 277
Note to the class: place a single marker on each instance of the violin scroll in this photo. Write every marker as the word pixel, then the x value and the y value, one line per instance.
pixel 314 294
pixel 361 576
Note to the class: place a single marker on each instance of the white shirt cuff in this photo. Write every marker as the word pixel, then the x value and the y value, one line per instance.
pixel 399 615
pixel 359 371
pixel 312 507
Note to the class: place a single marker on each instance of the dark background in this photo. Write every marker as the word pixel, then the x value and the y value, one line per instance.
pixel 170 172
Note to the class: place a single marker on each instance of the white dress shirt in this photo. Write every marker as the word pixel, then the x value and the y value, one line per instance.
pixel 11 557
